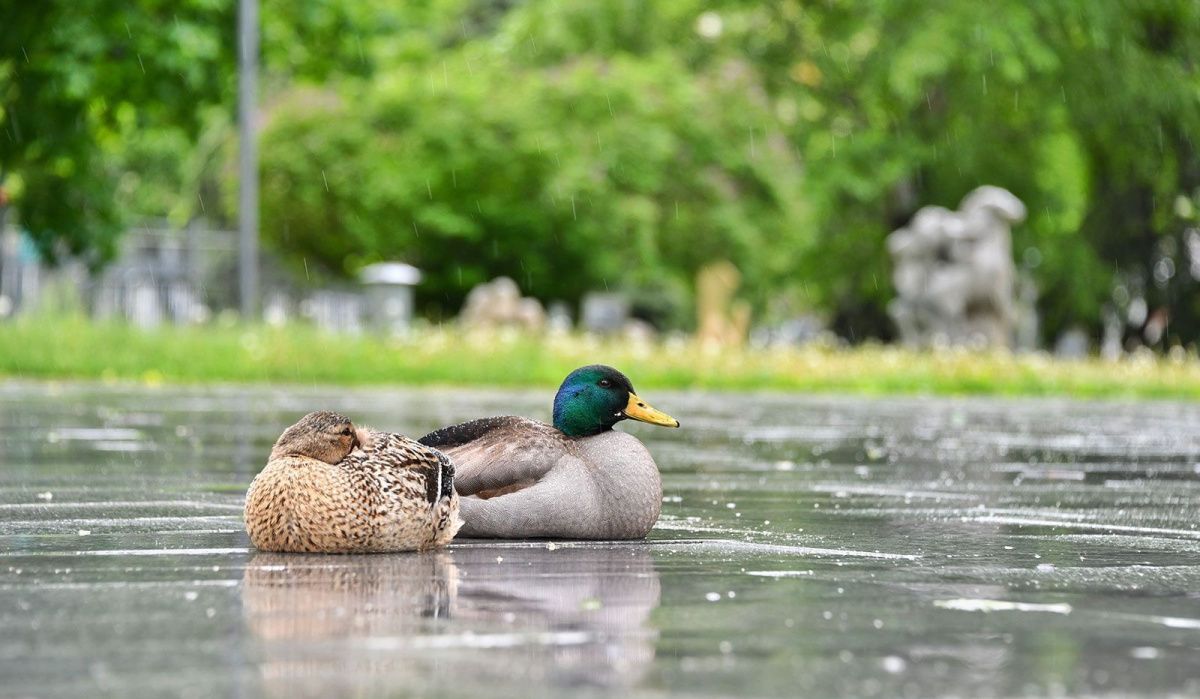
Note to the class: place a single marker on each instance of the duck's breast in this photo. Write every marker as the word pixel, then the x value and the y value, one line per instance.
pixel 304 505
pixel 627 480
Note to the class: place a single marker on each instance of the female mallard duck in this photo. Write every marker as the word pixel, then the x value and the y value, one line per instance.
pixel 331 488
pixel 577 479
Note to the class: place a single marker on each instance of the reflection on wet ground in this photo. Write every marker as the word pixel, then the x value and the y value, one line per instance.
pixel 809 546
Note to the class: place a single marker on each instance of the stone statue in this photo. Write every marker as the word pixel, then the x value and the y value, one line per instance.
pixel 499 304
pixel 954 272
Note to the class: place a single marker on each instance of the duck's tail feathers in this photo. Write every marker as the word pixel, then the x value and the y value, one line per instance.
pixel 439 480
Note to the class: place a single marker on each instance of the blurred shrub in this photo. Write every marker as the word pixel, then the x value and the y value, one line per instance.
pixel 625 144
pixel 603 172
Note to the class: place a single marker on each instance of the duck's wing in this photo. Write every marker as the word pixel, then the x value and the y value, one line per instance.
pixel 400 457
pixel 498 455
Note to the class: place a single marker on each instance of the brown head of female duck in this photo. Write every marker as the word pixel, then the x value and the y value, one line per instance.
pixel 323 435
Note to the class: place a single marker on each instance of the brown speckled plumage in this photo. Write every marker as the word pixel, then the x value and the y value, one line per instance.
pixel 385 493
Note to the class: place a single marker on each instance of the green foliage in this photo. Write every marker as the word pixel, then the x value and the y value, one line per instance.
pixel 1081 109
pixel 321 40
pixel 111 111
pixel 606 172
pixel 624 144
pixel 75 77
pixel 859 114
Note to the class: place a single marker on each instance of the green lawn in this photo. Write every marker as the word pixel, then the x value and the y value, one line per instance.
pixel 78 349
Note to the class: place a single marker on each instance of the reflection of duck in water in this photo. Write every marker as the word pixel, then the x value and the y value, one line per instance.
pixel 332 488
pixel 301 598
pixel 347 625
pixel 577 479
pixel 588 606
pixel 315 616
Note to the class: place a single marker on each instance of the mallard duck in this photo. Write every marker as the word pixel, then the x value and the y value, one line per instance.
pixel 577 478
pixel 330 487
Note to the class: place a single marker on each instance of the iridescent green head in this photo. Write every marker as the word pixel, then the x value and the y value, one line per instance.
pixel 594 398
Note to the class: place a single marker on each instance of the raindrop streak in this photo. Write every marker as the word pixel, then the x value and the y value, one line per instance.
pixel 201 198
pixel 573 215
pixel 143 65
pixel 326 179
pixel 305 260
pixel 415 228
pixel 428 189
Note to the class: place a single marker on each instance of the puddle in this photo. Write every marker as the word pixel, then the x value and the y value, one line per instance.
pixel 814 546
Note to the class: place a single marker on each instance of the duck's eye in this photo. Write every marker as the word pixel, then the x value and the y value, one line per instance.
pixel 346 431
pixel 604 383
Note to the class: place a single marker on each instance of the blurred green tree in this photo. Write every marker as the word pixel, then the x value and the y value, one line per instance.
pixel 112 110
pixel 584 145
pixel 605 172
pixel 1087 111
pixel 75 77
pixel 860 113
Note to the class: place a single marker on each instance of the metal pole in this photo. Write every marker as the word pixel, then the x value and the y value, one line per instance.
pixel 5 272
pixel 247 158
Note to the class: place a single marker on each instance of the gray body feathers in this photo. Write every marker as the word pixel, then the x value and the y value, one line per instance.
pixel 520 478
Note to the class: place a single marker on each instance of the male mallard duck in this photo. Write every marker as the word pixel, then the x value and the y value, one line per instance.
pixel 576 479
pixel 332 488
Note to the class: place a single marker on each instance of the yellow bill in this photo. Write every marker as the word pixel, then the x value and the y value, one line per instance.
pixel 638 409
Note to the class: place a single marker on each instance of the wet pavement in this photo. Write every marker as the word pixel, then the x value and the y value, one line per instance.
pixel 809 546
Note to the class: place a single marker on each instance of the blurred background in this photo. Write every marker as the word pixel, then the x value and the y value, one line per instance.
pixel 222 214
pixel 733 169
